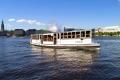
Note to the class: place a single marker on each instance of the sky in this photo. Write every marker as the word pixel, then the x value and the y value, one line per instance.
pixel 39 14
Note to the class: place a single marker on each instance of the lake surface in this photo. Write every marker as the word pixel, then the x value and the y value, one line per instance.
pixel 21 61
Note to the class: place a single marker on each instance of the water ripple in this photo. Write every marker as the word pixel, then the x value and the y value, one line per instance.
pixel 21 61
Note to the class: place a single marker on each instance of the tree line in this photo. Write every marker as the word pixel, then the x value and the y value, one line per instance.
pixel 107 33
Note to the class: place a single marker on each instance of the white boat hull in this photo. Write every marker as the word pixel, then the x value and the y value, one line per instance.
pixel 93 46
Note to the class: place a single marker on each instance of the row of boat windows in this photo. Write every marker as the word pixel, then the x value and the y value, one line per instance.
pixel 47 38
pixel 74 35
pixel 68 35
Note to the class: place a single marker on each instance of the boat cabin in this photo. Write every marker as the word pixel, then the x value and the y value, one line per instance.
pixel 63 38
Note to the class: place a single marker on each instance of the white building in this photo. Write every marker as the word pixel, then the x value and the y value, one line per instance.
pixel 109 29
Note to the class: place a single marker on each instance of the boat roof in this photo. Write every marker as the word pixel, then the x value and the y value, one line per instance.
pixel 64 32
pixel 48 34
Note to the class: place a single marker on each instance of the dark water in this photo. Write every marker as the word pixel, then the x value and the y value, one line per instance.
pixel 20 61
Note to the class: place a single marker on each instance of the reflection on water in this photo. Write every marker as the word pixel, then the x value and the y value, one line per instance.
pixel 21 61
pixel 68 61
pixel 76 57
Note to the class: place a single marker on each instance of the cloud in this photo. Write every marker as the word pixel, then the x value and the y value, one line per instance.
pixel 30 21
pixel 21 20
pixel 118 1
pixel 39 23
pixel 11 19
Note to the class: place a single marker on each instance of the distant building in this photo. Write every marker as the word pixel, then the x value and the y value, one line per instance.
pixel 19 32
pixel 71 29
pixel 68 29
pixel 2 26
pixel 10 33
pixel 109 29
pixel 3 32
pixel 93 32
pixel 30 31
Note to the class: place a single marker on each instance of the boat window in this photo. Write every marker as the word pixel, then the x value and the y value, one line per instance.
pixel 87 33
pixel 32 36
pixel 73 34
pixel 58 35
pixel 50 38
pixel 54 35
pixel 69 35
pixel 61 35
pixel 40 36
pixel 82 33
pixel 77 34
pixel 65 35
pixel 45 37
pixel 35 37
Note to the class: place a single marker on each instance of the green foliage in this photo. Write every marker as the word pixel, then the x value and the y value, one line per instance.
pixel 107 33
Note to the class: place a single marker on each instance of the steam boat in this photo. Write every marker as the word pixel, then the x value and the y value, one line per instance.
pixel 81 39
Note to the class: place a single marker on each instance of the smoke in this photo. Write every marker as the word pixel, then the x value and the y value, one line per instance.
pixel 54 28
